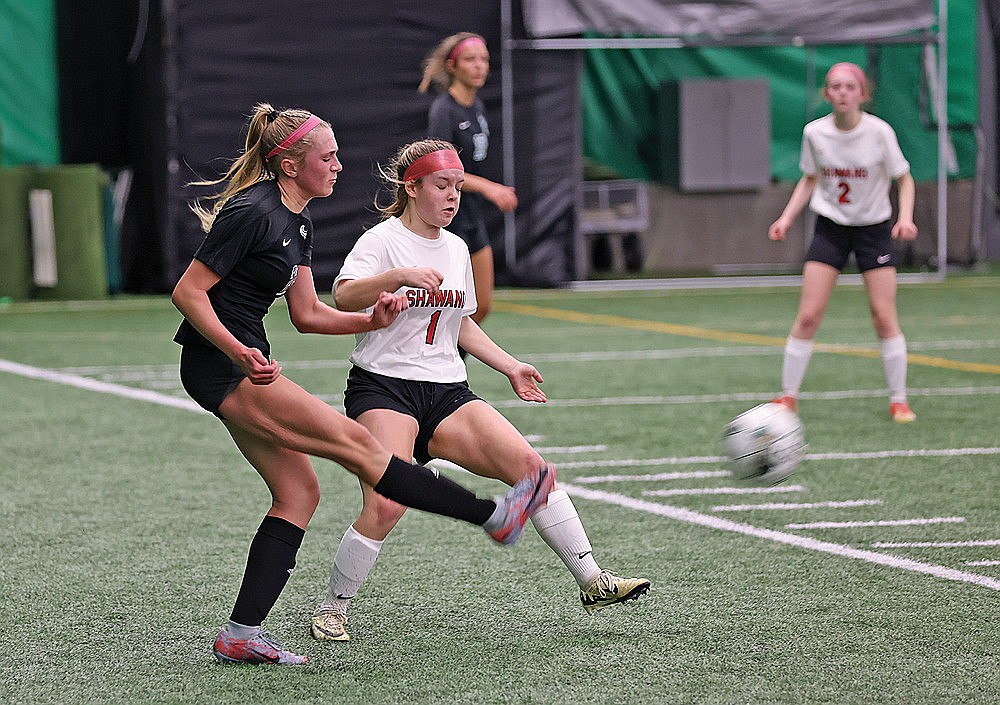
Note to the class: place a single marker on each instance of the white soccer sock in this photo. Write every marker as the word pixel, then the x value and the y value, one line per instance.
pixel 560 527
pixel 798 352
pixel 894 364
pixel 242 631
pixel 355 558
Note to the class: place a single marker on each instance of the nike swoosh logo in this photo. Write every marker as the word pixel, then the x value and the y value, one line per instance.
pixel 464 125
pixel 882 259
pixel 285 242
pixel 345 597
pixel 583 555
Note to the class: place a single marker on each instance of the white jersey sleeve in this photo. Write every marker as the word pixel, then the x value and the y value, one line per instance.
pixel 422 343
pixel 854 169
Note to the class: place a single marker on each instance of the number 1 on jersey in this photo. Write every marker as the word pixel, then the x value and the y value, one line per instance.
pixel 432 328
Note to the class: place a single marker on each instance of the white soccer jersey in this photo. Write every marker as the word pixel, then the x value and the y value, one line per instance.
pixel 854 169
pixel 422 344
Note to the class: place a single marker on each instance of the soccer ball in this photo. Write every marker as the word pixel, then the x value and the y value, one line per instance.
pixel 765 444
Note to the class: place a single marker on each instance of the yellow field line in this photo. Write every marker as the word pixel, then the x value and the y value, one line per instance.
pixel 600 319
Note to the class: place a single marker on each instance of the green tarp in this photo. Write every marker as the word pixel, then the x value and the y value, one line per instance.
pixel 620 119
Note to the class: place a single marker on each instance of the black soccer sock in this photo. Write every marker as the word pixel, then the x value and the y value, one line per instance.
pixel 417 487
pixel 269 565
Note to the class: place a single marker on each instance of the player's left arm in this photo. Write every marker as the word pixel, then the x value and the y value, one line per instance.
pixel 524 378
pixel 905 229
pixel 310 315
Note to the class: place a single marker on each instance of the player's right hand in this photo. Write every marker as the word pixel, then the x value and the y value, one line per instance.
pixel 258 369
pixel 423 278
pixel 778 230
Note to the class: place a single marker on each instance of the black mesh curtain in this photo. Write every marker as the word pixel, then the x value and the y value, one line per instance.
pixel 358 66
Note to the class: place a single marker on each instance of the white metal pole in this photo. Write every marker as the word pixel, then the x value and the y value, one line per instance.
pixel 507 113
pixel 942 121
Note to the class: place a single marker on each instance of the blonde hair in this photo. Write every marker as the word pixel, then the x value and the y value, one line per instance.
pixel 436 64
pixel 267 129
pixel 392 174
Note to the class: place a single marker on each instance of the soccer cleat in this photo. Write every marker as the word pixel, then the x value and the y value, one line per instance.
pixel 608 589
pixel 901 412
pixel 329 625
pixel 787 401
pixel 260 648
pixel 525 498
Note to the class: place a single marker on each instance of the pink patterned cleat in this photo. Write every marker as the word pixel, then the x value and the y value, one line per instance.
pixel 260 648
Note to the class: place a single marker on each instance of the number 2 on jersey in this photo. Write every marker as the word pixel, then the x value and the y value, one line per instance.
pixel 432 328
pixel 845 188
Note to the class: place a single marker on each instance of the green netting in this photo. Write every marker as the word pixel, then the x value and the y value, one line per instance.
pixel 620 119
pixel 29 112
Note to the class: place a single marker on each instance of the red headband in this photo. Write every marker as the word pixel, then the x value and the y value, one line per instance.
pixel 435 161
pixel 465 42
pixel 297 134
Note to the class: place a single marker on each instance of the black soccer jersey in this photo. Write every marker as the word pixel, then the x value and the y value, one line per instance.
pixel 256 246
pixel 467 129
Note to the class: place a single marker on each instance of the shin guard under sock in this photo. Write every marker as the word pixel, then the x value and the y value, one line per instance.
pixel 269 565
pixel 416 486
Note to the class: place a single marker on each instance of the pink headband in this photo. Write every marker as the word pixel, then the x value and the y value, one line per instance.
pixel 429 163
pixel 297 134
pixel 465 42
pixel 855 71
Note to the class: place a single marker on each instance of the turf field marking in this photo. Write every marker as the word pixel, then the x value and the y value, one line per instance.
pixel 931 544
pixel 804 542
pixel 714 459
pixel 94 385
pixel 880 522
pixel 693 475
pixel 986 562
pixel 571 450
pixel 793 505
pixel 730 351
pixel 727 336
pixel 722 490
pixel 751 397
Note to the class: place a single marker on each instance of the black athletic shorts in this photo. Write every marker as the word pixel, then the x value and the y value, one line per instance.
pixel 208 375
pixel 429 403
pixel 871 244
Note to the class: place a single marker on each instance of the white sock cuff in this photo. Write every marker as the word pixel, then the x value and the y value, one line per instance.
pixel 799 346
pixel 895 346
pixel 559 508
pixel 353 535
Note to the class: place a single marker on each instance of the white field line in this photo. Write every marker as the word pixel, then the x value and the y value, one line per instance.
pixel 571 450
pixel 94 385
pixel 935 544
pixel 793 505
pixel 983 563
pixel 716 459
pixel 656 477
pixel 803 542
pixel 747 397
pixel 879 522
pixel 722 490
pixel 597 356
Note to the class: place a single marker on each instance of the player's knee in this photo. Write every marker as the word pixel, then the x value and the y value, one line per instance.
pixel 885 323
pixel 808 323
